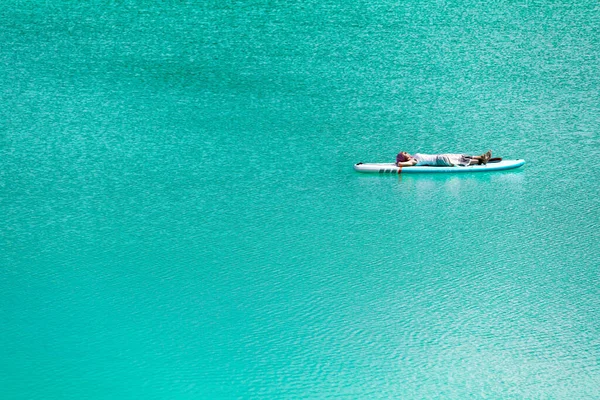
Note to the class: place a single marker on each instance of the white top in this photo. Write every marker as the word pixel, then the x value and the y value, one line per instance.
pixel 425 159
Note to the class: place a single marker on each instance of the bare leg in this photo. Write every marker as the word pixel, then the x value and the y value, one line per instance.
pixel 482 159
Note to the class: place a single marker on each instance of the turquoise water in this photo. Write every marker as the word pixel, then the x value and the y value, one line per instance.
pixel 181 219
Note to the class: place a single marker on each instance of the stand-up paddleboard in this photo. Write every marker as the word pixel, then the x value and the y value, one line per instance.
pixel 391 168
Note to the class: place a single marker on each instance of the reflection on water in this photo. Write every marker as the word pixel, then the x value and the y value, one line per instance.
pixel 458 185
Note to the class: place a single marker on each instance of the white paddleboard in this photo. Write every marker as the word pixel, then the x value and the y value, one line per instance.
pixel 391 168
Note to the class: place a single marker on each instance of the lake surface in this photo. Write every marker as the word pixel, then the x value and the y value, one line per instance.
pixel 181 218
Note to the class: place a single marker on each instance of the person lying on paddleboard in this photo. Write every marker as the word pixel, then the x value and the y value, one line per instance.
pixel 403 159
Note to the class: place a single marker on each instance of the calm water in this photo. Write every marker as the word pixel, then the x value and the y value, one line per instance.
pixel 181 219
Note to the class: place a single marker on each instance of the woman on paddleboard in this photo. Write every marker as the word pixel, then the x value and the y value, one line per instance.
pixel 403 159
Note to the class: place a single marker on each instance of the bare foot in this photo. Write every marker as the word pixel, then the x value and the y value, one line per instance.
pixel 486 157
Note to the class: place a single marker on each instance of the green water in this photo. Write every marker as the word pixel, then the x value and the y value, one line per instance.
pixel 181 219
